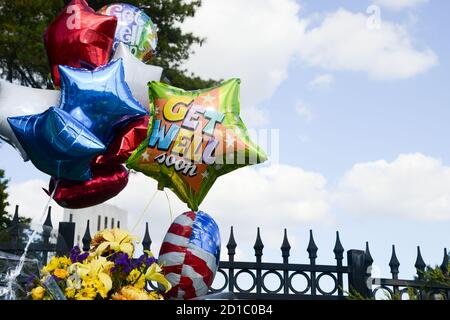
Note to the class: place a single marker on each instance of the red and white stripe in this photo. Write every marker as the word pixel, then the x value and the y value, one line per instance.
pixel 188 268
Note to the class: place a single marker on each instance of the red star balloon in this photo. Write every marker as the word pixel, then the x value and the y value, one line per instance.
pixel 79 37
pixel 107 182
pixel 126 141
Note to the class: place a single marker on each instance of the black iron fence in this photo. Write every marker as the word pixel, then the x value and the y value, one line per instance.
pixel 343 281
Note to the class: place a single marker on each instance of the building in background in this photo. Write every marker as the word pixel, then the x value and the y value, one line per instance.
pixel 101 217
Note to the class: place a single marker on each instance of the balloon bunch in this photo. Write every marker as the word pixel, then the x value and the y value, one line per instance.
pixel 83 134
pixel 110 111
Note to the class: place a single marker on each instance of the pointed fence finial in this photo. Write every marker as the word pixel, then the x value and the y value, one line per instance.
pixel 420 264
pixel 87 238
pixel 259 246
pixel 231 246
pixel 147 241
pixel 338 248
pixel 444 265
pixel 368 260
pixel 285 247
pixel 48 220
pixel 312 248
pixel 394 263
pixel 16 215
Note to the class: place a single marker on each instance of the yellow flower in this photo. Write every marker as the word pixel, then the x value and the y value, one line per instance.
pixel 65 261
pixel 61 273
pixel 137 279
pixel 155 296
pixel 131 293
pixel 70 293
pixel 38 293
pixel 116 240
pixel 97 268
pixel 87 293
pixel 154 273
pixel 52 265
pixel 55 263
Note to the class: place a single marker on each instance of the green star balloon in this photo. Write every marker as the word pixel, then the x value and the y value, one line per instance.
pixel 194 137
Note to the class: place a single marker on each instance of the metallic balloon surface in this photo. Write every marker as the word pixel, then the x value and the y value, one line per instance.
pixel 196 136
pixel 107 182
pixel 79 37
pixel 100 99
pixel 57 144
pixel 125 142
pixel 137 74
pixel 190 254
pixel 134 28
pixel 18 100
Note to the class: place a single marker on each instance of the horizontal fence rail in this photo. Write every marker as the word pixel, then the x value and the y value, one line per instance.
pixel 350 280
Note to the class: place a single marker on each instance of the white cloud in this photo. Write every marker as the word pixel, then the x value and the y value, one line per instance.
pixel 269 197
pixel 254 40
pixel 322 80
pixel 304 110
pixel 32 200
pixel 412 186
pixel 343 42
pixel 397 5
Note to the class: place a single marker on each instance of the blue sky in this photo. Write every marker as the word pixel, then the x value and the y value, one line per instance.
pixel 363 127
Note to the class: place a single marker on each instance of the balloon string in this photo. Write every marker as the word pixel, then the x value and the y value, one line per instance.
pixel 43 216
pixel 170 207
pixel 145 210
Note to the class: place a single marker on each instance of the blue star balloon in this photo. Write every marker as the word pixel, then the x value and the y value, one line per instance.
pixel 57 144
pixel 99 98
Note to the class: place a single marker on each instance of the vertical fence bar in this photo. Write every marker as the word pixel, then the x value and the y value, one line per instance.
pixel 394 264
pixel 357 272
pixel 47 230
pixel 339 256
pixel 66 237
pixel 259 246
pixel 231 246
pixel 87 238
pixel 420 268
pixel 312 253
pixel 147 241
pixel 368 261
pixel 15 231
pixel 285 253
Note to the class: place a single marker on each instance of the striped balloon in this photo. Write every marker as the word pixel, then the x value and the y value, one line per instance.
pixel 190 254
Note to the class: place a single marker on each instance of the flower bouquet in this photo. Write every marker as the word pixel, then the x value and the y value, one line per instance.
pixel 107 271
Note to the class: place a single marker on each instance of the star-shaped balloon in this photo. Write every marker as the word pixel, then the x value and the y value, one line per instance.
pixel 195 137
pixel 100 99
pixel 57 144
pixel 18 100
pixel 79 37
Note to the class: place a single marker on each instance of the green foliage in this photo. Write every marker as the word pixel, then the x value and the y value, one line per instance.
pixel 22 53
pixel 434 277
pixel 23 22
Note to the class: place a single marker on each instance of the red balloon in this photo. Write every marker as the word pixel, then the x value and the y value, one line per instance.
pixel 125 142
pixel 107 182
pixel 79 37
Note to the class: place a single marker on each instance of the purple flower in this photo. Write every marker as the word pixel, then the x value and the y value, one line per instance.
pixel 77 256
pixel 122 262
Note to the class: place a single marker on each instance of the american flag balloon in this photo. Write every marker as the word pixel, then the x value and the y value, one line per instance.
pixel 190 254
